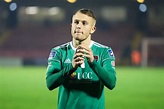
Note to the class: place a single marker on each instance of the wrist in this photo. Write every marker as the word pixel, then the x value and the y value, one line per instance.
pixel 92 63
pixel 91 60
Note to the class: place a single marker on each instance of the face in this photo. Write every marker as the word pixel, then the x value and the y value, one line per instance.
pixel 82 26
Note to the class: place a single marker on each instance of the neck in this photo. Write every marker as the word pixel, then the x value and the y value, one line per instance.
pixel 76 43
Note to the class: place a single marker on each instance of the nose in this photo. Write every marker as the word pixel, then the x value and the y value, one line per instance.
pixel 79 25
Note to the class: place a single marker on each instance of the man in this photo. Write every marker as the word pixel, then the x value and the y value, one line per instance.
pixel 81 68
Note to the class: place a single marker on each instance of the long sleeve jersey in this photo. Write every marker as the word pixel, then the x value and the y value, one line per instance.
pixel 81 88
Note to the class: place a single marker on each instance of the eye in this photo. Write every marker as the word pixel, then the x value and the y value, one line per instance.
pixel 84 23
pixel 76 22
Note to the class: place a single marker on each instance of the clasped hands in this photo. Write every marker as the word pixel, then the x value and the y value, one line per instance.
pixel 82 51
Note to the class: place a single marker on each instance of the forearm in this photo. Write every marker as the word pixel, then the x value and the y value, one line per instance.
pixel 56 78
pixel 108 78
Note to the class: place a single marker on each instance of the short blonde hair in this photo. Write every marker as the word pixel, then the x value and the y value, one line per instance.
pixel 87 12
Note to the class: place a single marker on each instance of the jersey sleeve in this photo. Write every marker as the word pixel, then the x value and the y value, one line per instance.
pixel 106 72
pixel 55 74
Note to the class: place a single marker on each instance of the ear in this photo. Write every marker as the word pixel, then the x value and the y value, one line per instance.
pixel 93 30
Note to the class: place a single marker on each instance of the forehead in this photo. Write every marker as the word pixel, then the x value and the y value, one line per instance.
pixel 82 17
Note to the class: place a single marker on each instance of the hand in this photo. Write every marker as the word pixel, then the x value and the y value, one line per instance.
pixel 86 52
pixel 78 58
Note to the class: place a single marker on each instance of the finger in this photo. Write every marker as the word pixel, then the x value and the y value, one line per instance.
pixel 78 55
pixel 80 50
pixel 84 51
pixel 79 59
pixel 84 47
pixel 87 55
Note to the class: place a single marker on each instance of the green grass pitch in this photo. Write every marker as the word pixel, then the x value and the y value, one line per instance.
pixel 137 88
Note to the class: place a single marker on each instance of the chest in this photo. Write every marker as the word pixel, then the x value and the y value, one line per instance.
pixel 81 73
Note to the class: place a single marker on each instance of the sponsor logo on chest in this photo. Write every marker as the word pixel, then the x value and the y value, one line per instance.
pixel 79 76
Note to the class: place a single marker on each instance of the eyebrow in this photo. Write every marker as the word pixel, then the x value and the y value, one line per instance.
pixel 80 20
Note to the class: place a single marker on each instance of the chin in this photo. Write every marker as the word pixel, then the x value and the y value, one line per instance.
pixel 78 37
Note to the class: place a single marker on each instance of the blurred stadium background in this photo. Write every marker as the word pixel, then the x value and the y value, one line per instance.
pixel 30 28
pixel 133 28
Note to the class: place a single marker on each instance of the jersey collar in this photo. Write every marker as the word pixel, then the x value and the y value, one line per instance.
pixel 71 43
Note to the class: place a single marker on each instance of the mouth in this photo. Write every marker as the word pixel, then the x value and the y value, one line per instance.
pixel 78 32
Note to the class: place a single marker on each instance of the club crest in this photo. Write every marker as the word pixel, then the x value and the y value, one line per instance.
pixel 111 54
pixel 52 54
pixel 96 58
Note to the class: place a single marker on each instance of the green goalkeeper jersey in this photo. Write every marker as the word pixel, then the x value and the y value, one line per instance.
pixel 81 88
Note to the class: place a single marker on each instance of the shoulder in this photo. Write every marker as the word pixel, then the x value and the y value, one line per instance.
pixel 61 47
pixel 58 50
pixel 100 46
pixel 103 49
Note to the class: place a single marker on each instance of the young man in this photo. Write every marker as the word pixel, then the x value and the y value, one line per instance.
pixel 81 68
